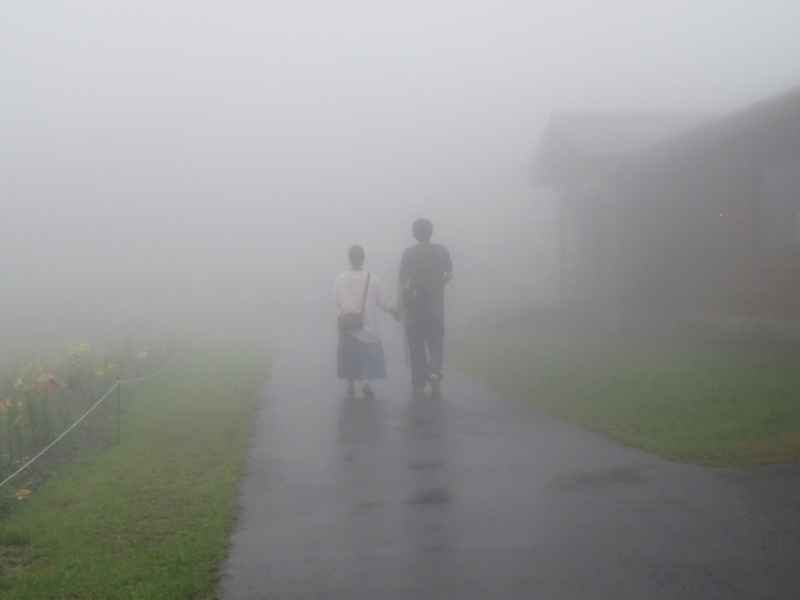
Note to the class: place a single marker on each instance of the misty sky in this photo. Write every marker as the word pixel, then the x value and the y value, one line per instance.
pixel 176 158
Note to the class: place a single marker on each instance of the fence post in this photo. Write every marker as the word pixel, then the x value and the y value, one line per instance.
pixel 119 393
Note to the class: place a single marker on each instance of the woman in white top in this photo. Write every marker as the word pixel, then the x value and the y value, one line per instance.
pixel 359 355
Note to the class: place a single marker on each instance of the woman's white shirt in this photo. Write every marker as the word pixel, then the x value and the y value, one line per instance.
pixel 349 293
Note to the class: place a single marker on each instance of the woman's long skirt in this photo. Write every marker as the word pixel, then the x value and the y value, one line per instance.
pixel 359 360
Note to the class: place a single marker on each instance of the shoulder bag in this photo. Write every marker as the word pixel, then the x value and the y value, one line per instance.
pixel 354 321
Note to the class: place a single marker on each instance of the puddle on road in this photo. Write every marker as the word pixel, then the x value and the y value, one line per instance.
pixel 365 506
pixel 435 496
pixel 605 479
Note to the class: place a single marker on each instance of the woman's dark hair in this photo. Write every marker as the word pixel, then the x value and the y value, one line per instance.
pixel 422 229
pixel 356 255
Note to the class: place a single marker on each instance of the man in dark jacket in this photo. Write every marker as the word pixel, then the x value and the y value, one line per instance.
pixel 425 268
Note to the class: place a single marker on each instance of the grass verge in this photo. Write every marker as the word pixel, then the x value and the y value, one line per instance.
pixel 689 400
pixel 148 518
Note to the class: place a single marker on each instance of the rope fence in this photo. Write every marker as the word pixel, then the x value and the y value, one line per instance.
pixel 117 385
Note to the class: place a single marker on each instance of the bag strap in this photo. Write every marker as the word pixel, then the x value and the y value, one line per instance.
pixel 366 287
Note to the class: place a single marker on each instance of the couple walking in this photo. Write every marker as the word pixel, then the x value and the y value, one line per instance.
pixel 425 268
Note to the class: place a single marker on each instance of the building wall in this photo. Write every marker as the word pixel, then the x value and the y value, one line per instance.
pixel 705 231
pixel 585 252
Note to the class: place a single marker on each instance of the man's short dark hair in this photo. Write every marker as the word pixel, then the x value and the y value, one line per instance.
pixel 356 255
pixel 422 230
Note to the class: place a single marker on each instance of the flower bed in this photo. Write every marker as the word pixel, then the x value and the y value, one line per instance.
pixel 42 397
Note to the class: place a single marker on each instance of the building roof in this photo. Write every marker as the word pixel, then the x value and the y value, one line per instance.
pixel 579 146
pixel 779 114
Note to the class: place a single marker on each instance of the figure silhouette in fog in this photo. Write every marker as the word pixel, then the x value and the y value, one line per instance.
pixel 425 268
pixel 359 355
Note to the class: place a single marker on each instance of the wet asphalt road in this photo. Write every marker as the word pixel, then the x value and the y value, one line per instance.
pixel 476 496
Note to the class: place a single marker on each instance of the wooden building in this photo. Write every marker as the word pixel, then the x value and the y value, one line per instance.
pixel 664 216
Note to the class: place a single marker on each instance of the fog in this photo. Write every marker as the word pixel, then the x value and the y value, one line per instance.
pixel 207 165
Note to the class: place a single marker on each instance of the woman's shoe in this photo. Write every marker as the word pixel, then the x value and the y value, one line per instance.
pixel 368 393
pixel 351 391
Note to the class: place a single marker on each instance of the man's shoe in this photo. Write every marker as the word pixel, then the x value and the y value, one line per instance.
pixel 368 393
pixel 435 387
pixel 351 391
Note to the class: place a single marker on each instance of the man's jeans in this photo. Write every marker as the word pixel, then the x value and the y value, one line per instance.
pixel 425 327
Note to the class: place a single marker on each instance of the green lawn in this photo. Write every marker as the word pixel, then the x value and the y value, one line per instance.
pixel 696 401
pixel 148 518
